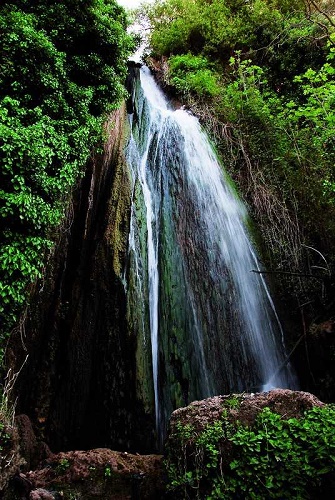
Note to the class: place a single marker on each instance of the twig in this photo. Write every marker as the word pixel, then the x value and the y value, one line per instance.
pixel 288 273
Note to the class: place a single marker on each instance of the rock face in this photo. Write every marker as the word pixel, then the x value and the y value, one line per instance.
pixel 213 328
pixel 78 385
pixel 30 471
pixel 32 450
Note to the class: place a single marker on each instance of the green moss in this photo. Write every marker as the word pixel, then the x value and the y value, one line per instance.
pixel 137 305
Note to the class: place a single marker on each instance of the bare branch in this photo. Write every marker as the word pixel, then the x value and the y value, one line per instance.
pixel 318 9
pixel 288 273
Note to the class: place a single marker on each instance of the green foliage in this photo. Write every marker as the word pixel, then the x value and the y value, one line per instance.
pixel 107 471
pixel 311 122
pixel 4 437
pixel 244 98
pixel 293 176
pixel 191 74
pixel 6 428
pixel 62 466
pixel 62 68
pixel 233 401
pixel 207 441
pixel 173 22
pixel 22 260
pixel 7 449
pixel 274 458
pixel 277 32
pixel 314 113
pixel 291 456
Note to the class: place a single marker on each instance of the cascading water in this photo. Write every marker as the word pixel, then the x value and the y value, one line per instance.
pixel 192 295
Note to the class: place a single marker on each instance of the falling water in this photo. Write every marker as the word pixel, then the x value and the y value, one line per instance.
pixel 211 322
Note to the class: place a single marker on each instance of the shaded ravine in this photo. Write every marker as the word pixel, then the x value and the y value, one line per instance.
pixel 207 320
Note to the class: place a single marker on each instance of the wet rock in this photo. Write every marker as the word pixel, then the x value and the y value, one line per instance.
pixel 99 473
pixel 20 485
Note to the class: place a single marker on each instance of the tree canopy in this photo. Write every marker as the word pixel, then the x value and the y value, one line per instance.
pixel 62 69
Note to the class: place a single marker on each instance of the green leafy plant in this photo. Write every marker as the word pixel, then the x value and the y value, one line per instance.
pixel 272 458
pixel 62 70
pixel 62 466
pixel 233 401
pixel 107 471
pixel 4 436
pixel 190 73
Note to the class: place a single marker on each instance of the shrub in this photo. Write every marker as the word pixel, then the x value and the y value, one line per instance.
pixel 192 74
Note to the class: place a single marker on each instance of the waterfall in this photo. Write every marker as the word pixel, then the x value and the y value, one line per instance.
pixel 206 321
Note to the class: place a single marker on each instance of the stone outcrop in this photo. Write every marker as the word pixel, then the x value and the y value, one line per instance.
pixel 32 450
pixel 105 474
pixel 30 471
pixel 95 474
pixel 287 403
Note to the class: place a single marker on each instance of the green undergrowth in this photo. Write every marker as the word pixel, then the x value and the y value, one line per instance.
pixel 272 458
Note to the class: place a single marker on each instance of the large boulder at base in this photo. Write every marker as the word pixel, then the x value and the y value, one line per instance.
pixel 278 444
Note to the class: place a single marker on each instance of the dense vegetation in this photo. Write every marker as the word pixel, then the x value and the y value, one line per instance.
pixel 62 69
pixel 272 458
pixel 260 74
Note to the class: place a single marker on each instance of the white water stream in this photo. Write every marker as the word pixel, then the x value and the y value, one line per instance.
pixel 186 192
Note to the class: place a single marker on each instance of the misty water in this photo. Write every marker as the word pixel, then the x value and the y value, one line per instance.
pixel 201 309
